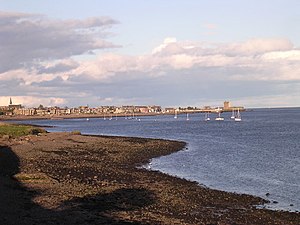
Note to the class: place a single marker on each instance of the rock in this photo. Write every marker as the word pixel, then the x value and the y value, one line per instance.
pixel 6 137
pixel 267 194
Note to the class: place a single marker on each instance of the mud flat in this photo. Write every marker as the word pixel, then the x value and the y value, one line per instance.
pixel 65 178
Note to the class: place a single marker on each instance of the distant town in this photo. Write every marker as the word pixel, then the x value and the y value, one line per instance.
pixel 129 110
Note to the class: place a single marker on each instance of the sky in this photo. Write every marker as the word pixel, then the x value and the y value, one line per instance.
pixel 159 52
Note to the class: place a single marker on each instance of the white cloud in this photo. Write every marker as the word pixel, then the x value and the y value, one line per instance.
pixel 57 102
pixel 32 101
pixel 53 67
pixel 262 64
pixel 291 55
pixel 27 77
pixel 167 41
pixel 28 39
pixel 181 61
pixel 46 72
pixel 258 46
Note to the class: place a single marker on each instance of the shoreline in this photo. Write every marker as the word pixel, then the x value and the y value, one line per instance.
pixel 272 204
pixel 75 116
pixel 79 178
pixel 85 116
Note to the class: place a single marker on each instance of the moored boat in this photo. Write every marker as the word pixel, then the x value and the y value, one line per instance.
pixel 238 117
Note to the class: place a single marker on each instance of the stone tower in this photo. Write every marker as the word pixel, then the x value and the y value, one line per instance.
pixel 227 105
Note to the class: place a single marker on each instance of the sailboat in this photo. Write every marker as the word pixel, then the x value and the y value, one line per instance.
pixel 175 117
pixel 187 117
pixel 219 118
pixel 238 117
pixel 207 116
pixel 232 115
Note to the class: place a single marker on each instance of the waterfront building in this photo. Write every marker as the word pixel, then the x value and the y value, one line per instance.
pixel 170 110
pixel 227 105
pixel 12 106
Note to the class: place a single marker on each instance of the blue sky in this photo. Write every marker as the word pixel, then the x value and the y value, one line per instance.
pixel 172 53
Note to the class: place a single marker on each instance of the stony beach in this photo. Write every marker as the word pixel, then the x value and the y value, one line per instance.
pixel 68 178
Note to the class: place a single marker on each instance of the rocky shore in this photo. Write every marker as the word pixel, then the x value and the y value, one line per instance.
pixel 65 178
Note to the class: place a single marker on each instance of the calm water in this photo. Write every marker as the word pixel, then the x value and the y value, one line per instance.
pixel 256 156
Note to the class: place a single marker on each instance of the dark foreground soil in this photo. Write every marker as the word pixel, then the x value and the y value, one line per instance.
pixel 62 178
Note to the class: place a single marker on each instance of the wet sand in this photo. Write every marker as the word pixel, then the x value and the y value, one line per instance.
pixel 63 178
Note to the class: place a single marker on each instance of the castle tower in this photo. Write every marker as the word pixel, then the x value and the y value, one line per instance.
pixel 227 105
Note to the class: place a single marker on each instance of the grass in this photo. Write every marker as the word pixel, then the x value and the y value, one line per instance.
pixel 29 177
pixel 14 130
pixel 76 132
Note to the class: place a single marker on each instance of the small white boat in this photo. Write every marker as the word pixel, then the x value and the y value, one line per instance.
pixel 87 119
pixel 187 117
pixel 207 117
pixel 175 117
pixel 219 118
pixel 233 115
pixel 238 117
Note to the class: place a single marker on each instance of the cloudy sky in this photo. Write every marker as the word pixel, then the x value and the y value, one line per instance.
pixel 135 52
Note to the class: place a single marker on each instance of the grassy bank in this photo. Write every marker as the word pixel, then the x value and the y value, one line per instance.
pixel 15 130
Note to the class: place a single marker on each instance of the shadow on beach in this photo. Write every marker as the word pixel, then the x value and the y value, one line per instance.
pixel 17 205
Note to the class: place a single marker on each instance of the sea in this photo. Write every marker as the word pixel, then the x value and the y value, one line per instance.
pixel 259 155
